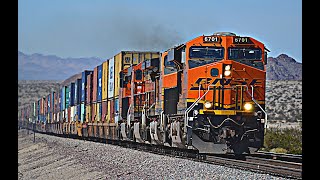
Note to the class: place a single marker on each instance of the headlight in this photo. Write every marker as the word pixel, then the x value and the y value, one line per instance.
pixel 227 67
pixel 207 105
pixel 227 70
pixel 248 106
pixel 195 112
pixel 227 73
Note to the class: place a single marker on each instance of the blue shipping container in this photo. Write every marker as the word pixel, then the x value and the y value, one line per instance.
pixel 48 103
pixel 71 93
pixel 52 102
pixel 62 98
pixel 67 97
pixel 99 94
pixel 38 110
pixel 79 111
pixel 77 88
pixel 84 85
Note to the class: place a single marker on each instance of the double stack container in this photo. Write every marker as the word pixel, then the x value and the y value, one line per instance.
pixel 83 99
pixel 89 115
pixel 77 98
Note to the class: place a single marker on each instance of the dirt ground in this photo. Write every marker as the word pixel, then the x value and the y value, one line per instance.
pixel 40 161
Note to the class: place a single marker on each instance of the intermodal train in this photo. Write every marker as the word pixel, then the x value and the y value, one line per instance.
pixel 207 94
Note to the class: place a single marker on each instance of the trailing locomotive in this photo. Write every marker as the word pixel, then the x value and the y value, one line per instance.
pixel 207 94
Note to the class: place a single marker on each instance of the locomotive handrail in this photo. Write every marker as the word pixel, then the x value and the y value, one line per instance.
pixel 265 113
pixel 192 106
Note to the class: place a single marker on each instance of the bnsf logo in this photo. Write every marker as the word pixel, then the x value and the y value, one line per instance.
pixel 217 81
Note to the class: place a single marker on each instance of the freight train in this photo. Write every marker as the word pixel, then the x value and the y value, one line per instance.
pixel 207 94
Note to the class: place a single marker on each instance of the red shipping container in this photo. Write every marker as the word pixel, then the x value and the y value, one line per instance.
pixel 104 110
pixel 111 111
pixel 69 114
pixel 42 106
pixel 89 89
pixel 45 105
pixel 93 112
pixel 95 84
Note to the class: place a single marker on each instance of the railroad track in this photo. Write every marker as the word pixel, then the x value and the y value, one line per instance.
pixel 283 165
pixel 288 169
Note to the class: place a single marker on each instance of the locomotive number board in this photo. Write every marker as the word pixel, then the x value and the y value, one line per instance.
pixel 211 39
pixel 242 40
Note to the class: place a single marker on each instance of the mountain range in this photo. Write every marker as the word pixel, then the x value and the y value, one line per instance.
pixel 50 67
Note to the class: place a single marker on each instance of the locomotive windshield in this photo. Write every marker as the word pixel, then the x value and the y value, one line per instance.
pixel 247 55
pixel 201 55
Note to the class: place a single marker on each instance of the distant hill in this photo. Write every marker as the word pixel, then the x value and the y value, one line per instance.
pixel 50 67
pixel 283 67
pixel 71 79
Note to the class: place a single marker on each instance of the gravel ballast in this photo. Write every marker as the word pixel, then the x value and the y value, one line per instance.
pixel 52 157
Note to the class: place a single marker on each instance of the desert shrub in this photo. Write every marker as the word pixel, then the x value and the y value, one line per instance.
pixel 289 139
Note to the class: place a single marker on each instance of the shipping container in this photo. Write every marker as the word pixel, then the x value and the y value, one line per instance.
pixel 72 111
pixel 93 112
pixel 88 113
pixel 69 114
pixel 78 112
pixel 48 107
pixel 116 110
pixel 53 99
pixel 63 98
pixel 45 105
pixel 117 69
pixel 83 112
pixel 38 109
pixel 34 107
pixel 95 84
pixel 111 78
pixel 67 96
pixel 77 91
pixel 56 103
pixel 104 110
pixel 105 80
pixel 71 93
pixel 98 111
pixel 111 110
pixel 99 83
pixel 84 85
pixel 42 105
pixel 89 89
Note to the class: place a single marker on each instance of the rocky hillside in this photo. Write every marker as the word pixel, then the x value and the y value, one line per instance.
pixel 31 91
pixel 283 67
pixel 284 100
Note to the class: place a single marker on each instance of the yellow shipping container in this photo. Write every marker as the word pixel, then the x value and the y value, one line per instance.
pixel 98 111
pixel 109 111
pixel 117 69
pixel 105 80
pixel 88 112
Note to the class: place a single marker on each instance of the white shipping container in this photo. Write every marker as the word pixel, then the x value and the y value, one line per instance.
pixel 82 112
pixel 111 78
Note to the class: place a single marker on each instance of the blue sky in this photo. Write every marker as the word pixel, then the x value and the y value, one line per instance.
pixel 102 28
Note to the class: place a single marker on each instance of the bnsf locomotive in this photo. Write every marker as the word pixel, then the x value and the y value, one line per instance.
pixel 207 94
